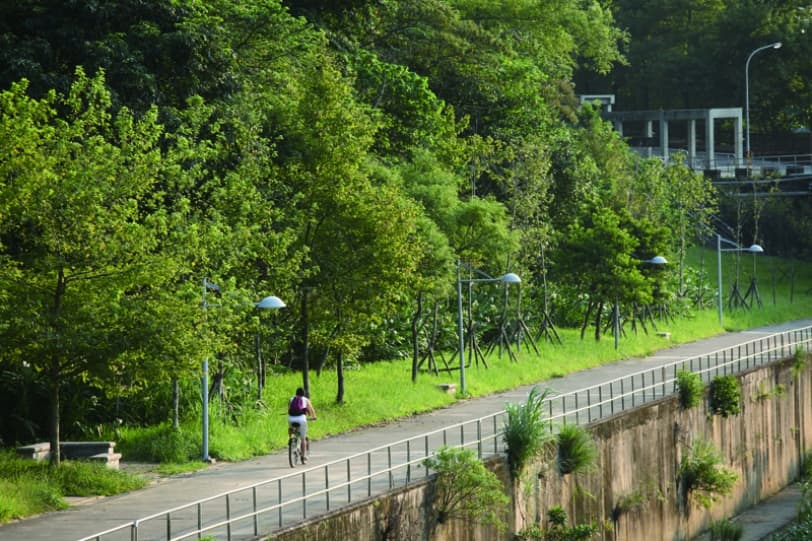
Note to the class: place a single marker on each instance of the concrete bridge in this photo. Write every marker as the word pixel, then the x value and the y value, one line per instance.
pixel 693 133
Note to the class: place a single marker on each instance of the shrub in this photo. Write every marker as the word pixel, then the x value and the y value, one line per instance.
pixel 690 388
pixel 577 452
pixel 557 529
pixel 465 488
pixel 527 434
pixel 725 395
pixel 726 530
pixel 702 475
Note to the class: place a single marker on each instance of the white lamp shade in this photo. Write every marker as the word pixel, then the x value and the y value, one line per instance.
pixel 271 302
pixel 510 278
pixel 657 260
pixel 756 249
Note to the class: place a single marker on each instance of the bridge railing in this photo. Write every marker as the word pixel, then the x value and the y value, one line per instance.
pixel 275 504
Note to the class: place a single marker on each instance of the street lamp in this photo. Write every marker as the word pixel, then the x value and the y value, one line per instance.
pixel 267 303
pixel 508 278
pixel 754 249
pixel 271 302
pixel 776 45
pixel 656 260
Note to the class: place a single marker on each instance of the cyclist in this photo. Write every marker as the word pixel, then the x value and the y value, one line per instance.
pixel 299 409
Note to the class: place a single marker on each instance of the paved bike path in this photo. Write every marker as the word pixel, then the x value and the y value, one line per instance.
pixel 95 515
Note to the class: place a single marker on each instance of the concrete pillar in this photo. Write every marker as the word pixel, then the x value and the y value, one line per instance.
pixel 649 129
pixel 664 137
pixel 619 127
pixel 691 143
pixel 737 137
pixel 710 142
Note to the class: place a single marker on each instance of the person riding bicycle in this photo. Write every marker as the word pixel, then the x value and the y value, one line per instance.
pixel 299 409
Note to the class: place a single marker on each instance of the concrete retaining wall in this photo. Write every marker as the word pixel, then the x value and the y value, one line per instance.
pixel 634 486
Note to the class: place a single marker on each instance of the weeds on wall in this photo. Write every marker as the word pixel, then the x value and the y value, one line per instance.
pixel 465 489
pixel 725 530
pixel 725 395
pixel 799 359
pixel 527 433
pixel 557 529
pixel 690 389
pixel 577 452
pixel 702 476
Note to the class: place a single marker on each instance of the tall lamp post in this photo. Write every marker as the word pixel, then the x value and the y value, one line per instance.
pixel 271 302
pixel 656 260
pixel 508 278
pixel 754 249
pixel 775 45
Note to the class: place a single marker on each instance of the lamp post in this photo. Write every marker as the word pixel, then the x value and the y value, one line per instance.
pixel 270 302
pixel 754 249
pixel 775 45
pixel 508 278
pixel 656 260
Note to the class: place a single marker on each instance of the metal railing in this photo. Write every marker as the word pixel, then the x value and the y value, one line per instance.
pixel 282 502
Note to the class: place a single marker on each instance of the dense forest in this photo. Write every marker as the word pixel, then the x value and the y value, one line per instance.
pixel 165 164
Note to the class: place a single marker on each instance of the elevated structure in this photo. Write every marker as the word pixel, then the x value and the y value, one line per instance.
pixel 663 120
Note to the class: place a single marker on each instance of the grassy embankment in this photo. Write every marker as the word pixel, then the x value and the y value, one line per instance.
pixel 382 391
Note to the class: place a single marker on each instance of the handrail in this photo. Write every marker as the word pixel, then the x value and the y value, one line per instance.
pixel 305 489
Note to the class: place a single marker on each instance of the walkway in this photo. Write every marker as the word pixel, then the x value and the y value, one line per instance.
pixel 100 514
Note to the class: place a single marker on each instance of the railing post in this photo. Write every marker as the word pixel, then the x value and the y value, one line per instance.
pixel 408 461
pixel 279 499
pixel 228 516
pixel 169 526
pixel 134 531
pixel 426 453
pixel 327 485
pixel 304 495
pixel 479 438
pixel 389 464
pixel 199 517
pixel 256 518
pixel 369 474
pixel 349 483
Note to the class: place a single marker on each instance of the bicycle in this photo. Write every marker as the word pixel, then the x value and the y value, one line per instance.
pixel 295 446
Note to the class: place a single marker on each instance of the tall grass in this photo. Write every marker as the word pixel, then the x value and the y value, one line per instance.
pixel 382 391
pixel 28 487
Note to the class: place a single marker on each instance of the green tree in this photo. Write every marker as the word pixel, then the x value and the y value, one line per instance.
pixel 84 232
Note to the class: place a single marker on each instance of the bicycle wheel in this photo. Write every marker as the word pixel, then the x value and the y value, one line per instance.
pixel 293 450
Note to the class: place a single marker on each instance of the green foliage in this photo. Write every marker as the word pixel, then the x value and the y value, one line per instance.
pixel 465 489
pixel 702 477
pixel 527 434
pixel 30 487
pixel 799 359
pixel 725 395
pixel 726 530
pixel 163 443
pixel 690 388
pixel 577 452
pixel 557 529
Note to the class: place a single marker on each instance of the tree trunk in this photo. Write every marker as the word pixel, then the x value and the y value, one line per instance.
pixel 340 377
pixel 598 317
pixel 415 345
pixel 54 392
pixel 305 345
pixel 175 404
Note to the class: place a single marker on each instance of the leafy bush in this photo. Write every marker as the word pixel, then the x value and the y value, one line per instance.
pixel 726 530
pixel 725 395
pixel 527 433
pixel 577 452
pixel 465 488
pixel 161 444
pixel 690 388
pixel 28 487
pixel 702 475
pixel 557 529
